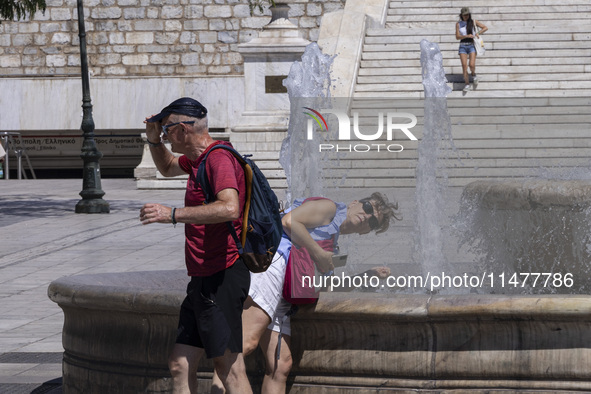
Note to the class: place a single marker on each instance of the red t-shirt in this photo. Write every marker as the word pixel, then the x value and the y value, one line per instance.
pixel 210 248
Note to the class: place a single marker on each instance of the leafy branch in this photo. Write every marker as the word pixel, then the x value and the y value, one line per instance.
pixel 258 5
pixel 19 9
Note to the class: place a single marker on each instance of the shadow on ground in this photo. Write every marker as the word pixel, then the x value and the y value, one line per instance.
pixel 16 209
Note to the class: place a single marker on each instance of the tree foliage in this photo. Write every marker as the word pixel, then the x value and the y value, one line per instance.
pixel 19 9
pixel 257 5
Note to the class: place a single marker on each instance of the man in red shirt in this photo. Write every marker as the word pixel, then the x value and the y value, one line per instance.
pixel 210 320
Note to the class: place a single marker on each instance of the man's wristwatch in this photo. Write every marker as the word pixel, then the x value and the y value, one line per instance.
pixel 153 143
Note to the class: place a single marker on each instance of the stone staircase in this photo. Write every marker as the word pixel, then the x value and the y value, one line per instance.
pixel 532 50
pixel 532 107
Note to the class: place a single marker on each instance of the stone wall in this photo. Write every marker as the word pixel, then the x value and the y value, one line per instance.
pixel 144 37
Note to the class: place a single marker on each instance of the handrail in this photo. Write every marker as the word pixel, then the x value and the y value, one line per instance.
pixel 12 141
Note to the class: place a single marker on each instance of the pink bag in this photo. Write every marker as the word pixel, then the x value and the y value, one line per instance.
pixel 300 264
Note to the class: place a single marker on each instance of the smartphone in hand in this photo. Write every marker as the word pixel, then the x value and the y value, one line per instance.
pixel 339 260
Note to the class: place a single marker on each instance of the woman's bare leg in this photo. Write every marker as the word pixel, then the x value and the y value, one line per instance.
pixel 277 370
pixel 464 60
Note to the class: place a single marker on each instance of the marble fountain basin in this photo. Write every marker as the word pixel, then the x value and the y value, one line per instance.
pixel 528 226
pixel 119 329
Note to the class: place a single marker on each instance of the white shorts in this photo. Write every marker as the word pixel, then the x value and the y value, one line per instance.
pixel 266 289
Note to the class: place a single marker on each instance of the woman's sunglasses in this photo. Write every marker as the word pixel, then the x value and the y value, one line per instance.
pixel 368 208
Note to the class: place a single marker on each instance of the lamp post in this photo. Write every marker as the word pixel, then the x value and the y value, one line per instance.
pixel 92 201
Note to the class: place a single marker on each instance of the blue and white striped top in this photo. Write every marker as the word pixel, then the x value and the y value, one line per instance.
pixel 318 233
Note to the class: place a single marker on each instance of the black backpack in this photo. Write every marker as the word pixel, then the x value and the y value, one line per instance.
pixel 261 225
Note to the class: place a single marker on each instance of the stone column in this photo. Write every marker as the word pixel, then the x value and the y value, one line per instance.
pixel 263 124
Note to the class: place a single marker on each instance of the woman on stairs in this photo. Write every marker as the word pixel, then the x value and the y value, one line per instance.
pixel 465 32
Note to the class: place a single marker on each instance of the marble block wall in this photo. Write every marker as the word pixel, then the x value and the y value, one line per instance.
pixel 144 37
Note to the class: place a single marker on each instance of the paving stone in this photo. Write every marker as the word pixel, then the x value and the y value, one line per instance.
pixel 42 240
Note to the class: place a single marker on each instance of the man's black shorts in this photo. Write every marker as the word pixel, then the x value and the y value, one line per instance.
pixel 211 314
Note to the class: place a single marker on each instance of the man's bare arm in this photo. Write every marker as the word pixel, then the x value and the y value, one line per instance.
pixel 166 162
pixel 225 208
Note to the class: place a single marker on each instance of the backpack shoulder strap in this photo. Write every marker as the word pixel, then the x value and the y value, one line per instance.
pixel 203 180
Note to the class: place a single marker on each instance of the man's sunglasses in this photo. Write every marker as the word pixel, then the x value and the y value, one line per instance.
pixel 165 127
pixel 368 208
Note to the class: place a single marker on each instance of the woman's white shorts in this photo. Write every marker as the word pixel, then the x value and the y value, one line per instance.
pixel 266 289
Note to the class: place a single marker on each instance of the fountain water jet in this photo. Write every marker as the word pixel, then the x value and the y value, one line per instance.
pixel 430 176
pixel 308 86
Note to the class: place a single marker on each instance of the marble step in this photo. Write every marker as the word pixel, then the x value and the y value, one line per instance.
pixel 457 109
pixel 484 60
pixel 521 93
pixel 498 90
pixel 509 126
pixel 456 178
pixel 464 161
pixel 405 79
pixel 478 136
pixel 385 80
pixel 577 25
pixel 514 57
pixel 471 170
pixel 493 116
pixel 470 131
pixel 505 9
pixel 496 50
pixel 450 38
pixel 528 69
pixel 393 18
pixel 503 147
pixel 398 183
pixel 578 31
pixel 549 103
pixel 416 91
pixel 515 112
pixel 486 4
pixel 490 47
